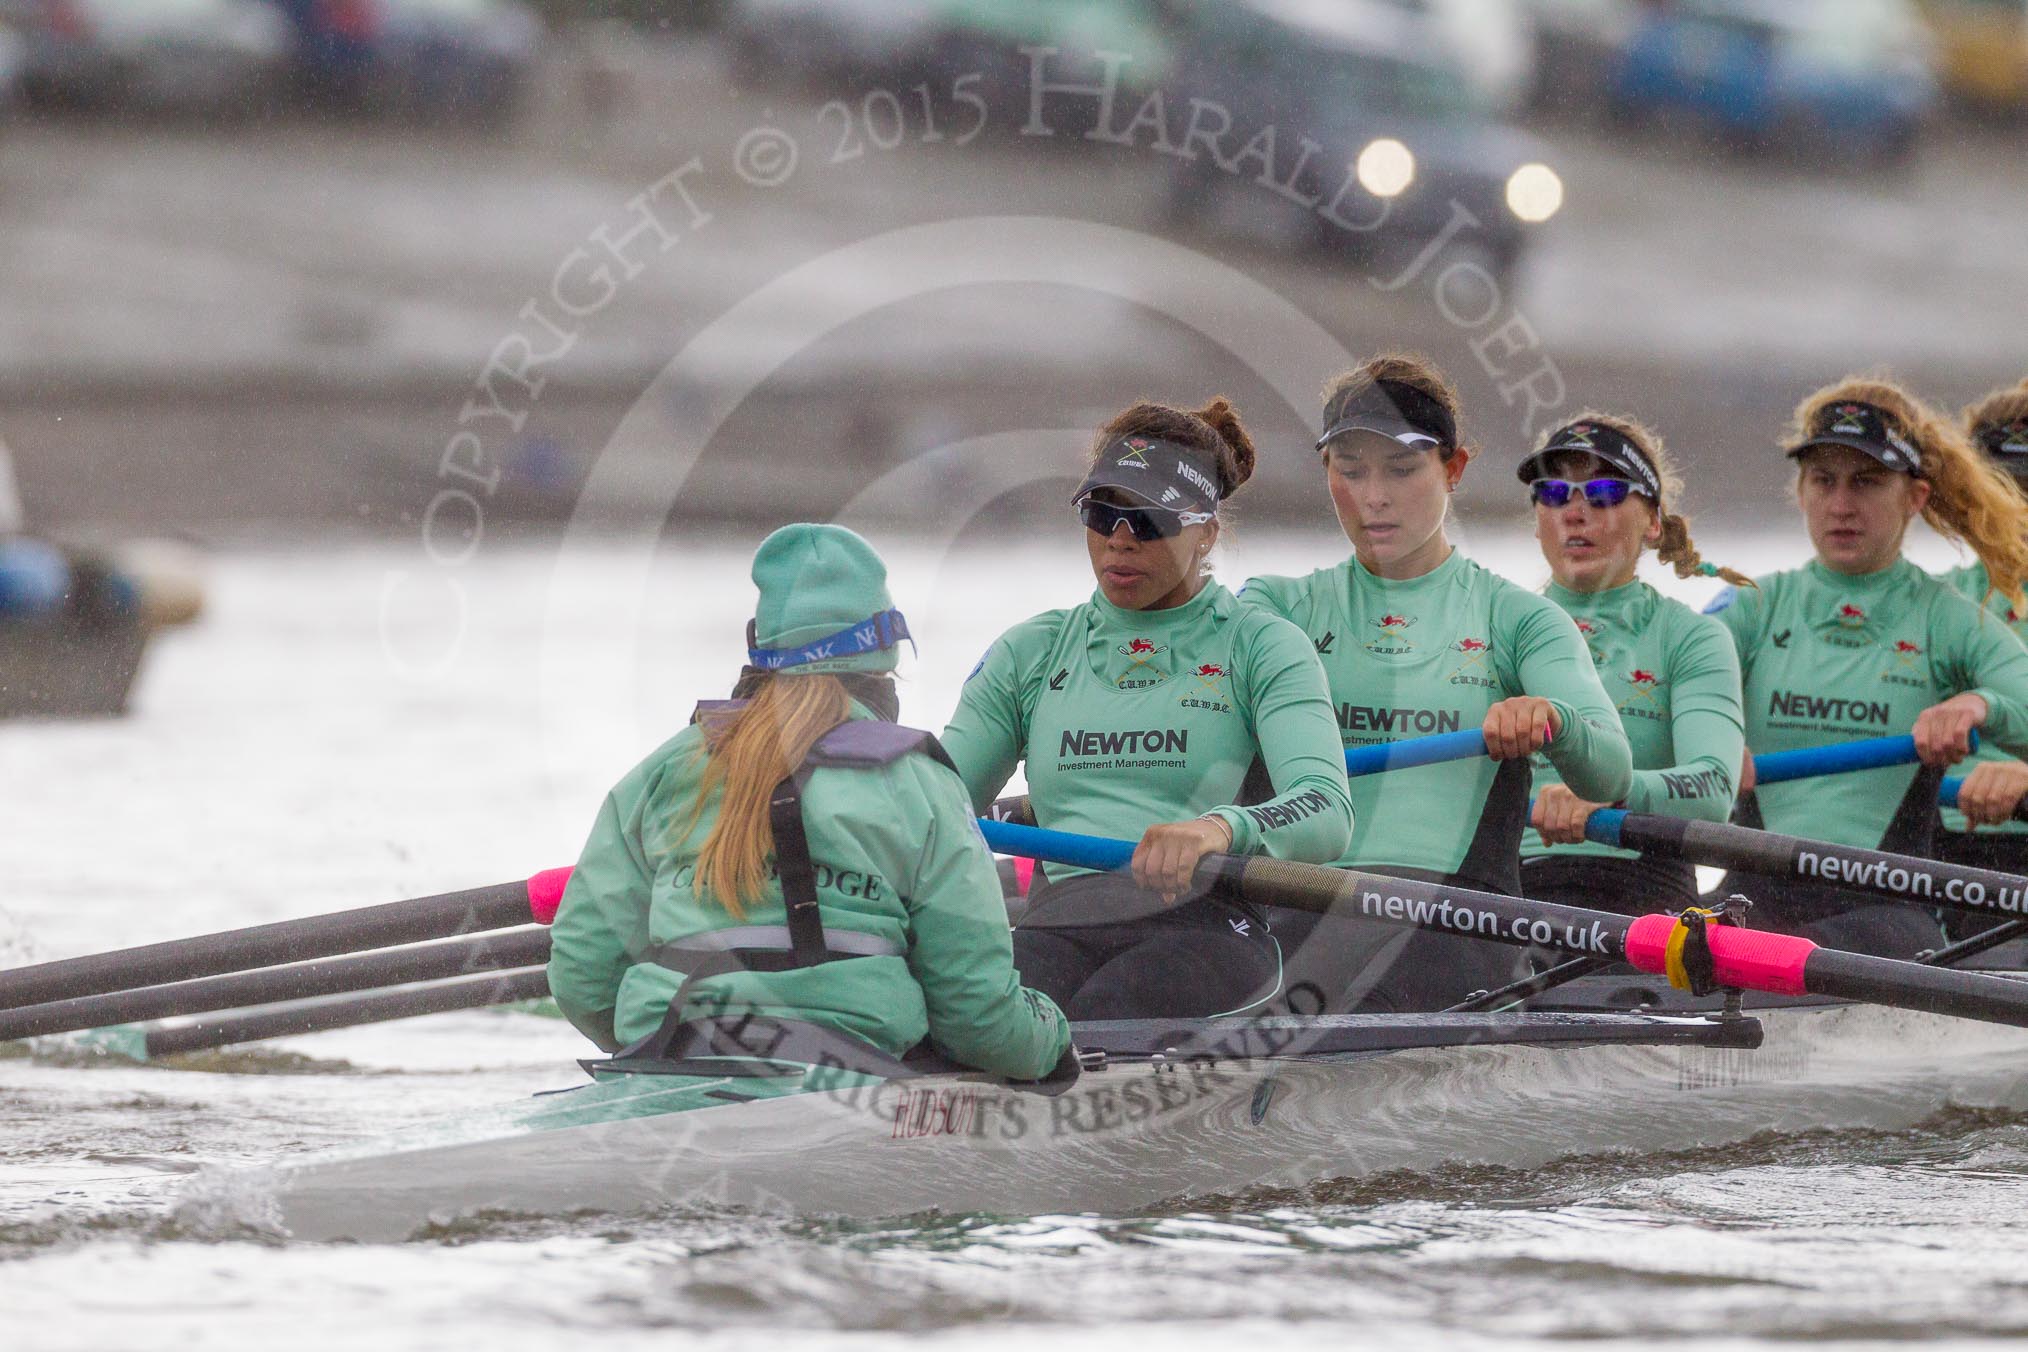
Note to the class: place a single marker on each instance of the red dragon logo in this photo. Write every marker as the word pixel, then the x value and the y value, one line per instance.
pixel 1586 627
pixel 1905 647
pixel 1211 669
pixel 1471 645
pixel 1140 645
pixel 1851 612
pixel 1393 621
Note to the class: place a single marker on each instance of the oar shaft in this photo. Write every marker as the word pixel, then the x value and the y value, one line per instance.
pixel 1932 990
pixel 444 916
pixel 332 976
pixel 1876 873
pixel 1749 959
pixel 317 1016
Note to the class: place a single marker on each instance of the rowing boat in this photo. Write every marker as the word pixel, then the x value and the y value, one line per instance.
pixel 1173 1110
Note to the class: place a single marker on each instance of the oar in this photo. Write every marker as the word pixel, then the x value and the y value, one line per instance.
pixel 1837 758
pixel 1948 797
pixel 1753 960
pixel 317 1016
pixel 494 952
pixel 501 906
pixel 1875 873
pixel 1406 755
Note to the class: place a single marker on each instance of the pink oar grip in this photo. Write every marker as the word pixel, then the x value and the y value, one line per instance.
pixel 1754 960
pixel 1024 874
pixel 545 894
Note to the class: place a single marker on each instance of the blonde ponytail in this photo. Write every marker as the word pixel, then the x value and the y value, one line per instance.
pixel 745 758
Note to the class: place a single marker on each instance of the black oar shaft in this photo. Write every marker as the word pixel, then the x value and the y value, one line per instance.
pixel 316 1016
pixel 1754 959
pixel 1874 873
pixel 1985 941
pixel 1421 905
pixel 473 911
pixel 499 951
pixel 1907 985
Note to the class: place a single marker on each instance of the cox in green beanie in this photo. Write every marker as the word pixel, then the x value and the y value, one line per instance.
pixel 824 604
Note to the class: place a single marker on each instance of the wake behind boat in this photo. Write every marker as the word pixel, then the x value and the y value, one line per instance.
pixel 1167 1111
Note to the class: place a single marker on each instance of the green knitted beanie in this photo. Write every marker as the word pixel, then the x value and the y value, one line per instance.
pixel 824 604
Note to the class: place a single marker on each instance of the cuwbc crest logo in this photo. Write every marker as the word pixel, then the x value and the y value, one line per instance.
pixel 1211 670
pixel 1139 647
pixel 1851 616
pixel 1472 645
pixel 1643 677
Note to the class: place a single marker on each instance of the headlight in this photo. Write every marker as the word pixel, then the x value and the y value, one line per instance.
pixel 1534 192
pixel 1386 168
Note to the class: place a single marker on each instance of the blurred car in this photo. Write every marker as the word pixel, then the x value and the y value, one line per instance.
pixel 465 61
pixel 1848 79
pixel 1390 119
pixel 838 40
pixel 218 56
pixel 1982 52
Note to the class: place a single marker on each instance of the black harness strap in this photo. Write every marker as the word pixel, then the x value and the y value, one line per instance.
pixel 856 744
pixel 797 872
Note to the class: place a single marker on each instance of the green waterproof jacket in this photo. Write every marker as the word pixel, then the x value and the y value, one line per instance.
pixel 897 854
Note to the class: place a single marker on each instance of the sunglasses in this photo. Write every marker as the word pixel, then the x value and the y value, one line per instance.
pixel 1147 523
pixel 1600 493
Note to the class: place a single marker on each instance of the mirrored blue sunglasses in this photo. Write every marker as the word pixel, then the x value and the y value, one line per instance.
pixel 1600 493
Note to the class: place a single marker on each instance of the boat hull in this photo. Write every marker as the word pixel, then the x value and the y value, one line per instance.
pixel 1145 1132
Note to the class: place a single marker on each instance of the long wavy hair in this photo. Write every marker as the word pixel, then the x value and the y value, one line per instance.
pixel 1972 500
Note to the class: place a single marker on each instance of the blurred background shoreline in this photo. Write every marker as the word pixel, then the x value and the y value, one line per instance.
pixel 230 323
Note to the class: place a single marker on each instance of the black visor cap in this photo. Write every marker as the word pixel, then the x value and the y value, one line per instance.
pixel 1602 443
pixel 1865 428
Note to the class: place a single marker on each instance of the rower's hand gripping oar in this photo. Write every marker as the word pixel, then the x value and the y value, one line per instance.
pixel 1682 948
pixel 1947 795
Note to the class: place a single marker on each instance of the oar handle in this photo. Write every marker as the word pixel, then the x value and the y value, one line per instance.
pixel 1406 755
pixel 1948 796
pixel 1839 758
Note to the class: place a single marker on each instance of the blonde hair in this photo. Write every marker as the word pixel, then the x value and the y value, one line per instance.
pixel 745 758
pixel 1675 548
pixel 1972 500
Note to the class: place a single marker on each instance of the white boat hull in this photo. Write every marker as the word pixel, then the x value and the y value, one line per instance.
pixel 1136 1135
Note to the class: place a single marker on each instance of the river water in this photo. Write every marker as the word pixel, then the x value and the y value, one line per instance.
pixel 349 727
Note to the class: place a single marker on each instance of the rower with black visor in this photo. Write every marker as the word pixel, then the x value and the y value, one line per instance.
pixel 1139 714
pixel 1604 490
pixel 1418 639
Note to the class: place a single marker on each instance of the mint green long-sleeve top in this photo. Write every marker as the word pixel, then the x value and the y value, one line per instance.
pixel 1126 718
pixel 1973 583
pixel 897 854
pixel 1434 654
pixel 1674 676
pixel 1830 658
